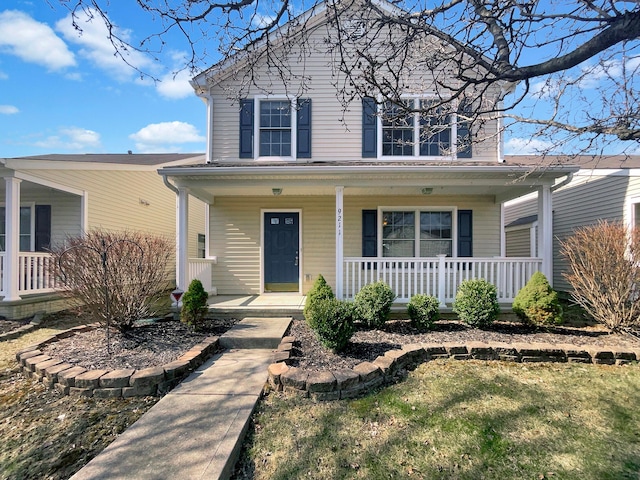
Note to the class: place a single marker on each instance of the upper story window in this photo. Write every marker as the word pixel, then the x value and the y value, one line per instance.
pixel 275 128
pixel 407 130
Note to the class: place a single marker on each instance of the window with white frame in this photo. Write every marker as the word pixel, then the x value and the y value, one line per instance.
pixel 412 129
pixel 26 229
pixel 275 128
pixel 417 232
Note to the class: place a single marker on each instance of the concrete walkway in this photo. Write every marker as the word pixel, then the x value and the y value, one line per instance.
pixel 197 429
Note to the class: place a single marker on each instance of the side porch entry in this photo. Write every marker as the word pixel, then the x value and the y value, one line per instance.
pixel 281 252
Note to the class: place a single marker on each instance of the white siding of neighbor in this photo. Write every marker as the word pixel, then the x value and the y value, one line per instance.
pixel 590 197
pixel 336 133
pixel 117 200
pixel 235 233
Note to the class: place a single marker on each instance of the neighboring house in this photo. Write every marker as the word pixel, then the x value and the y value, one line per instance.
pixel 605 188
pixel 298 187
pixel 50 197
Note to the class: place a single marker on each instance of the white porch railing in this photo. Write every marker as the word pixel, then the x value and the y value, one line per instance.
pixel 439 277
pixel 34 273
pixel 202 269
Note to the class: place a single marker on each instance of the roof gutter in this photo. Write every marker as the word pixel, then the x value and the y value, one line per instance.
pixel 564 182
pixel 169 185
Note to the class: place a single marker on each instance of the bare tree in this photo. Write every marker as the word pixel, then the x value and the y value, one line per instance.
pixel 571 66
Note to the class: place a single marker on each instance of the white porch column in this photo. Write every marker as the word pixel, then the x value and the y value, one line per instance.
pixel 12 238
pixel 545 231
pixel 339 242
pixel 182 238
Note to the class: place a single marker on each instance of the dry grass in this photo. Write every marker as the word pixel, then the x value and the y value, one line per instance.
pixel 459 420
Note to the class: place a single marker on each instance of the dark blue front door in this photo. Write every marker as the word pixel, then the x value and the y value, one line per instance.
pixel 281 252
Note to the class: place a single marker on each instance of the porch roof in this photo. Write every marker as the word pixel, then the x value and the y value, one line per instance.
pixel 500 180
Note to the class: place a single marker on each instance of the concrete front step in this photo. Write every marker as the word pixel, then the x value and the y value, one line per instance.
pixel 256 332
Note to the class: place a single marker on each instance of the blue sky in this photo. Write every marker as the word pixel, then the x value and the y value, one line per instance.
pixel 62 92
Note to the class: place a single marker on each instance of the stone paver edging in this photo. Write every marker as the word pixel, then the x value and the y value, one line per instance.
pixel 349 383
pixel 74 380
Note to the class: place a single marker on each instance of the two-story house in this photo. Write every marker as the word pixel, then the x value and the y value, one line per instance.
pixel 297 185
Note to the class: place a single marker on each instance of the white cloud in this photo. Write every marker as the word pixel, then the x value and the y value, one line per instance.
pixel 525 146
pixel 8 110
pixel 175 86
pixel 32 41
pixel 71 138
pixel 165 137
pixel 96 46
pixel 3 76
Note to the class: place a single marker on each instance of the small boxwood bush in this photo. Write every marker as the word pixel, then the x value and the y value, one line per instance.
pixel 372 304
pixel 476 303
pixel 334 323
pixel 321 290
pixel 194 304
pixel 537 303
pixel 423 311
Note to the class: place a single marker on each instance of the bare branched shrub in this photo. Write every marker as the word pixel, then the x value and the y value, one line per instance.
pixel 116 276
pixel 605 273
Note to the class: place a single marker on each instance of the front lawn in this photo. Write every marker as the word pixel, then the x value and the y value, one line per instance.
pixel 459 420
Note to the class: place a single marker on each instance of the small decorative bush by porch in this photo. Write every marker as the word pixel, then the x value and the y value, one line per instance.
pixel 334 323
pixel 476 303
pixel 194 304
pixel 537 303
pixel 423 311
pixel 372 304
pixel 321 290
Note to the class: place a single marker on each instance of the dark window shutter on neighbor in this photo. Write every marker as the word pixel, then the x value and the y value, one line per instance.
pixel 303 135
pixel 465 233
pixel 369 233
pixel 369 128
pixel 246 129
pixel 43 228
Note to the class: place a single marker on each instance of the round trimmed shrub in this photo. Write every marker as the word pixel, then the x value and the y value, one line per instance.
pixel 194 304
pixel 321 290
pixel 334 323
pixel 537 303
pixel 476 303
pixel 372 304
pixel 423 311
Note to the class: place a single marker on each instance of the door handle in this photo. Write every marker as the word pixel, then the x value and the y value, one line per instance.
pixel 296 261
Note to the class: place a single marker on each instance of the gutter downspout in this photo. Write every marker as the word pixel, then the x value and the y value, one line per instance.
pixel 564 182
pixel 182 209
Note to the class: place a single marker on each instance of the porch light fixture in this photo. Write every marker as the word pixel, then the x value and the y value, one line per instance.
pixel 426 190
pixel 276 191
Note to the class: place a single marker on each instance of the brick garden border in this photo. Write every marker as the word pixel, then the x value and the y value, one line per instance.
pixel 349 383
pixel 75 380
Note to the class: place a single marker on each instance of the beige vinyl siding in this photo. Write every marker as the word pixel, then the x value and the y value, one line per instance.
pixel 518 243
pixel 235 224
pixel 336 132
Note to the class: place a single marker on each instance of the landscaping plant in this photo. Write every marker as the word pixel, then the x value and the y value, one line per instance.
pixel 117 276
pixel 604 272
pixel 476 303
pixel 423 311
pixel 321 290
pixel 372 304
pixel 537 303
pixel 194 304
pixel 334 323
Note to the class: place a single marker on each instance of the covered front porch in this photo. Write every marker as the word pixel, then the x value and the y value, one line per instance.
pixel 331 202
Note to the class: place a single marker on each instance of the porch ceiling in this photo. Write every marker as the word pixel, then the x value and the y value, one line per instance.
pixel 496 180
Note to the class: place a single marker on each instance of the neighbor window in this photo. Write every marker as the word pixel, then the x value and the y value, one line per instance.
pixel 423 233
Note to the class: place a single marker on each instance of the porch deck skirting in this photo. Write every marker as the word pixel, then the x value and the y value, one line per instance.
pixel 440 276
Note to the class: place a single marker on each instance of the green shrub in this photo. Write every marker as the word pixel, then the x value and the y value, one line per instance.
pixel 423 311
pixel 334 323
pixel 537 303
pixel 321 290
pixel 194 304
pixel 372 304
pixel 476 303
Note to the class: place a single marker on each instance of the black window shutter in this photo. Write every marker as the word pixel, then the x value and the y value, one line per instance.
pixel 464 134
pixel 303 135
pixel 43 228
pixel 369 128
pixel 465 233
pixel 246 129
pixel 369 233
